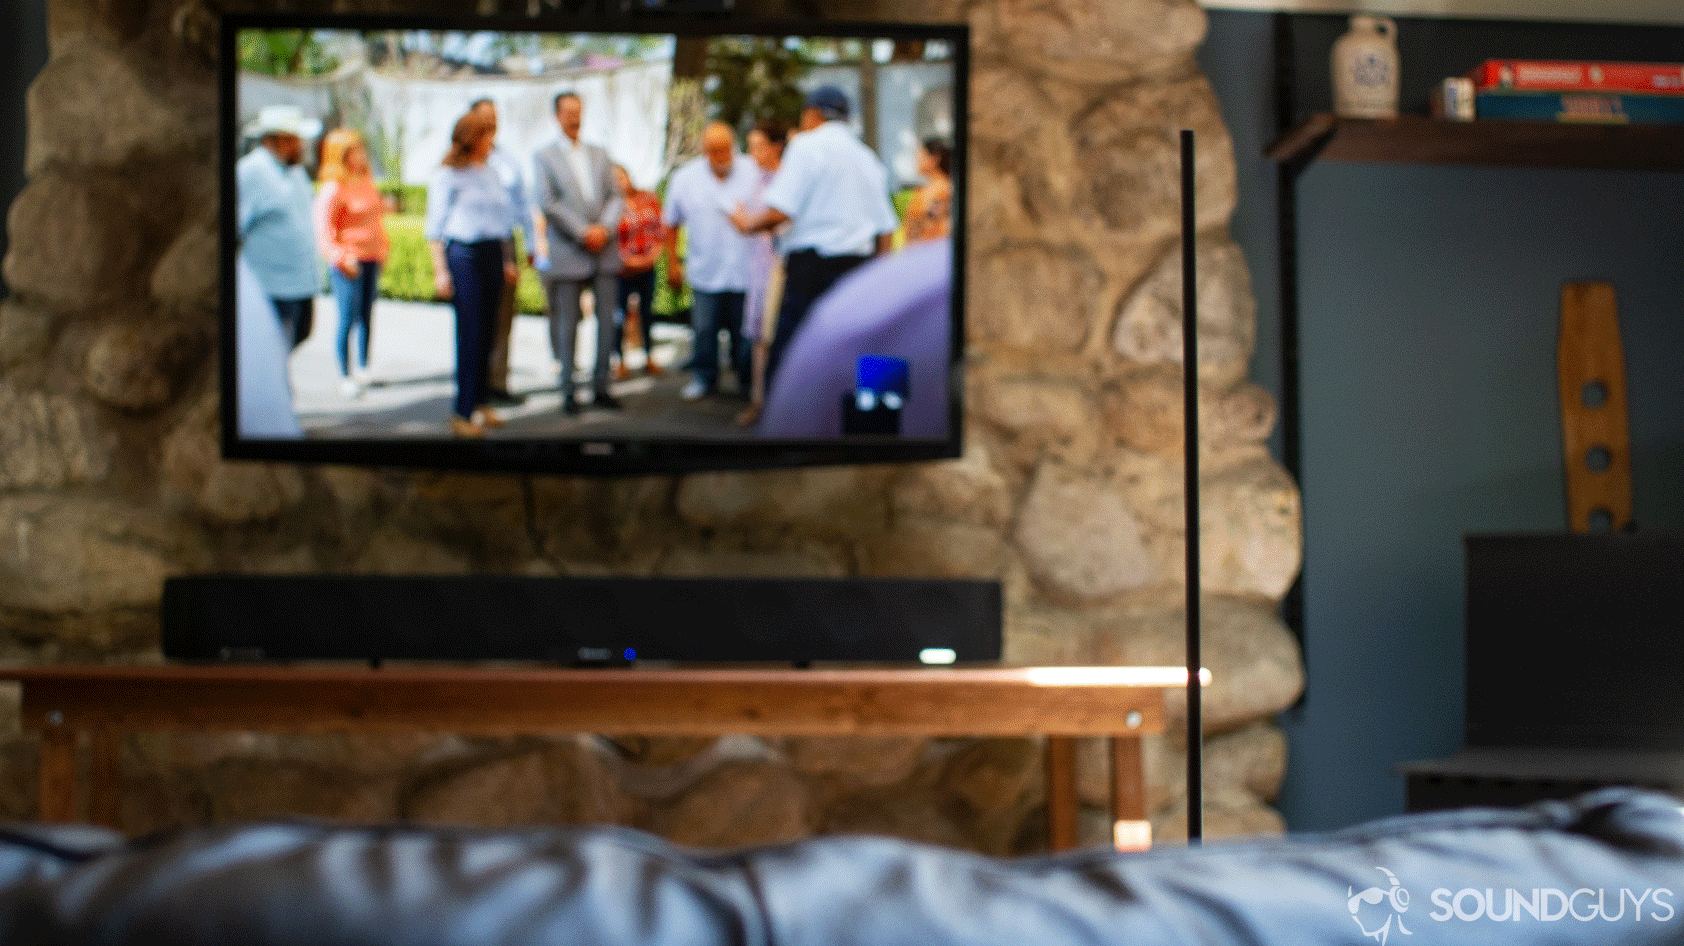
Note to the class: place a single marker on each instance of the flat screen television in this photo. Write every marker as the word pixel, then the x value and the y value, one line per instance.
pixel 871 374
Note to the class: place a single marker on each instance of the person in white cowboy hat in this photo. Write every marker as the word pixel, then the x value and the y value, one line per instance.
pixel 274 218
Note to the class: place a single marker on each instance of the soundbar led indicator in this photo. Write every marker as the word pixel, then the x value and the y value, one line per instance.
pixel 937 655
pixel 631 653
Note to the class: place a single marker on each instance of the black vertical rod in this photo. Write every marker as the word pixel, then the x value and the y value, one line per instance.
pixel 1286 250
pixel 1190 392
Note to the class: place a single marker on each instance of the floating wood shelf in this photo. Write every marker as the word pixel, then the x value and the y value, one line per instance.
pixel 1412 139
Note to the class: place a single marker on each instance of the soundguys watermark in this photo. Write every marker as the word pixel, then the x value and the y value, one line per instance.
pixel 1383 908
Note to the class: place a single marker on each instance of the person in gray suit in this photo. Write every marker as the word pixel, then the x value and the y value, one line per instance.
pixel 581 206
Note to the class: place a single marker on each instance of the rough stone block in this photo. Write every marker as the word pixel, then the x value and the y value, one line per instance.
pixel 95 106
pixel 910 812
pixel 1091 41
pixel 922 548
pixel 1081 539
pixel 825 500
pixel 85 554
pixel 76 244
pixel 1250 523
pixel 965 490
pixel 1148 328
pixel 137 365
pixel 390 550
pixel 26 336
pixel 1228 815
pixel 1145 410
pixel 1054 417
pixel 739 803
pixel 225 491
pixel 186 277
pixel 860 760
pixel 1128 163
pixel 1254 661
pixel 49 440
pixel 526 782
pixel 809 559
pixel 1042 298
pixel 1074 503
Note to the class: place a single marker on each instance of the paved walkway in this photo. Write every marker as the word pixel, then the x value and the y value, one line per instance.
pixel 412 382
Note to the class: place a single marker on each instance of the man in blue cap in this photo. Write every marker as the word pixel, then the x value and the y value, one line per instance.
pixel 833 192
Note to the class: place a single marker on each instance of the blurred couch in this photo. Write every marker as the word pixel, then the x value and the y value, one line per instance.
pixel 1604 869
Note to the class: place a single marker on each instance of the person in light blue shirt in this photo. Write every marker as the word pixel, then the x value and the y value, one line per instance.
pixel 273 216
pixel 497 391
pixel 702 195
pixel 834 193
pixel 468 225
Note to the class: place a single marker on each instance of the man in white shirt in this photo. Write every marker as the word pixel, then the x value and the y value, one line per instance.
pixel 834 193
pixel 575 189
pixel 702 195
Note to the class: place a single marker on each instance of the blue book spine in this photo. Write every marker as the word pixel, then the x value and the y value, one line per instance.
pixel 1581 107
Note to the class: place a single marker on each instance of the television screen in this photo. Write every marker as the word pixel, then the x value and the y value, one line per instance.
pixel 631 246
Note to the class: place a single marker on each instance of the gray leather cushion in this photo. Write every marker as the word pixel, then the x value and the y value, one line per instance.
pixel 316 884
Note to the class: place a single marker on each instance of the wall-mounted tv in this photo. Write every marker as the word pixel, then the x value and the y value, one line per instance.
pixel 687 294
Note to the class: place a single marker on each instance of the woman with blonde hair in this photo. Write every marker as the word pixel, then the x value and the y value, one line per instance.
pixel 470 217
pixel 351 234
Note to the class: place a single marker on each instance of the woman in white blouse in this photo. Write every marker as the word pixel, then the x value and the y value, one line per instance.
pixel 469 220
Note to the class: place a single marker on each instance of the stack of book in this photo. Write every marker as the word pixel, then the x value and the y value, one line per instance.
pixel 1596 92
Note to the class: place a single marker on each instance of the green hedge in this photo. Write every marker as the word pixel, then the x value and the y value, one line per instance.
pixel 409 273
pixel 409 270
pixel 409 198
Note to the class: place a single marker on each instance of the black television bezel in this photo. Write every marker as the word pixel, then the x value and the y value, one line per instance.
pixel 610 457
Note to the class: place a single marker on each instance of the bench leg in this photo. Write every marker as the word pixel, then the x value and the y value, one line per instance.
pixel 1061 792
pixel 1130 829
pixel 59 801
pixel 105 779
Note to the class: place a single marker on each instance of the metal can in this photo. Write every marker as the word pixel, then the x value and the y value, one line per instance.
pixel 1454 99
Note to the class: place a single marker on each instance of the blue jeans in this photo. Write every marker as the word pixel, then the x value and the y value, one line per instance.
pixel 476 274
pixel 712 313
pixel 356 310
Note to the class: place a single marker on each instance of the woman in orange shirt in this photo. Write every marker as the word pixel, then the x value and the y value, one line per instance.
pixel 929 215
pixel 351 233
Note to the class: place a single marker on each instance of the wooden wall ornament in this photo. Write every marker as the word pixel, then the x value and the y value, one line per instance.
pixel 1595 432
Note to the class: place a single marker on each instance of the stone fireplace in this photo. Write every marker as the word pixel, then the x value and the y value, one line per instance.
pixel 1069 491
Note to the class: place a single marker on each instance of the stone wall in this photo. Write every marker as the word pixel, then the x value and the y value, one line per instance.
pixel 1069 490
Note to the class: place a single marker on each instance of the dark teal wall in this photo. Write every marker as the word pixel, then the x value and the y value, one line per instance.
pixel 1428 306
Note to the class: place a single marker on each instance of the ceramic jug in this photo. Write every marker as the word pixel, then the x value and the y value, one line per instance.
pixel 1365 69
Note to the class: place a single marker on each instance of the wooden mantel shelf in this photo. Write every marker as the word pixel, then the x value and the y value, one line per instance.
pixel 1412 139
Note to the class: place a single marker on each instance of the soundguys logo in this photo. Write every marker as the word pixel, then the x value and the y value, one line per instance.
pixel 1395 900
pixel 1380 909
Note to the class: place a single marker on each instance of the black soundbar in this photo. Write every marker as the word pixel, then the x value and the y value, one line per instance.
pixel 579 620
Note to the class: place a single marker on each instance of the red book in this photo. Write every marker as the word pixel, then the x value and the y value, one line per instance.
pixel 1567 76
